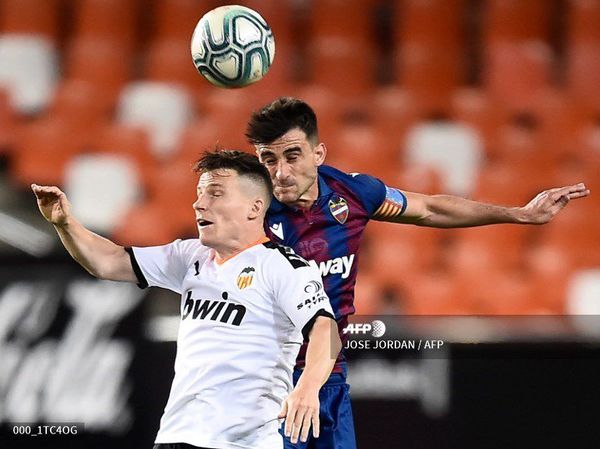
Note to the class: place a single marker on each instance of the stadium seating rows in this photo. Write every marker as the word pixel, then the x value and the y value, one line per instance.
pixel 508 78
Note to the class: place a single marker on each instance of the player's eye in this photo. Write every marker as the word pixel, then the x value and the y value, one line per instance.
pixel 269 161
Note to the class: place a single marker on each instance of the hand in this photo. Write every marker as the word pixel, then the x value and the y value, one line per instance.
pixel 547 204
pixel 53 204
pixel 300 409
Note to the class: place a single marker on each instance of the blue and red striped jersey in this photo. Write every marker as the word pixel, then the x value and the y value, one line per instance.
pixel 329 234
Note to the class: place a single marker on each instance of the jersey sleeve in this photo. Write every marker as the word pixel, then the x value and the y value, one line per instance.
pixel 370 190
pixel 299 291
pixel 393 206
pixel 162 266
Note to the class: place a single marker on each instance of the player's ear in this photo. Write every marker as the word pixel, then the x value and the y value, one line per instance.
pixel 257 209
pixel 320 151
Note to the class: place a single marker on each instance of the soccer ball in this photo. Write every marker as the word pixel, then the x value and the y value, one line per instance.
pixel 232 46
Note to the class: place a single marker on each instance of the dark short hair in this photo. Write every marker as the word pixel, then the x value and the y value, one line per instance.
pixel 280 116
pixel 244 164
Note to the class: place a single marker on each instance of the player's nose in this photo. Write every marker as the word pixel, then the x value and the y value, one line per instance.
pixel 199 204
pixel 283 171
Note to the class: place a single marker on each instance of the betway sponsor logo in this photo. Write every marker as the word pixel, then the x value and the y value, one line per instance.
pixel 339 265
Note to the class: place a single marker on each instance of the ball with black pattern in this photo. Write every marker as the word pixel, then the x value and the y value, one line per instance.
pixel 232 46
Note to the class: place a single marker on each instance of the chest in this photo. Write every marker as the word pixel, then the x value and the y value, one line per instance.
pixel 229 295
pixel 329 229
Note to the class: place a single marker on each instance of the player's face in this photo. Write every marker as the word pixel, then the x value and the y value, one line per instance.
pixel 292 161
pixel 221 208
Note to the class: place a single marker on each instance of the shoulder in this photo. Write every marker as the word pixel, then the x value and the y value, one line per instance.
pixel 190 248
pixel 354 181
pixel 369 190
pixel 283 256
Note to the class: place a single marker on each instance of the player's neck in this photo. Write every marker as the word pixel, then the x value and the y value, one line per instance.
pixel 225 252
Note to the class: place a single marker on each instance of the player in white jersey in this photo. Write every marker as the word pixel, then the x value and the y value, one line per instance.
pixel 246 306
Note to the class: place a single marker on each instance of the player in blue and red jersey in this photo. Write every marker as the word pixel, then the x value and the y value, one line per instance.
pixel 321 212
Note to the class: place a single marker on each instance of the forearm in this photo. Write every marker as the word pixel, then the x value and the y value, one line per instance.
pixel 96 254
pixel 447 211
pixel 323 348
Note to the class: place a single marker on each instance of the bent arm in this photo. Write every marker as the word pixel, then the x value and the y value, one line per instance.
pixel 301 408
pixel 99 256
pixel 447 211
pixel 324 345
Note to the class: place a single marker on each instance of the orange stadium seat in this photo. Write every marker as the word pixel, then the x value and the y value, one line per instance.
pixel 470 259
pixel 30 17
pixel 230 109
pixel 362 147
pixel 147 224
pixel 173 190
pixel 356 23
pixel 109 68
pixel 585 150
pixel 436 293
pixel 397 252
pixel 576 231
pixel 475 107
pixel 114 20
pixel 131 142
pixel 80 102
pixel 516 145
pixel 549 268
pixel 198 137
pixel 414 21
pixel 176 19
pixel 515 20
pixel 506 185
pixel 505 243
pixel 170 61
pixel 394 110
pixel 583 19
pixel 515 73
pixel 333 64
pixel 502 293
pixel 368 294
pixel 583 74
pixel 43 149
pixel 281 17
pixel 431 73
pixel 417 178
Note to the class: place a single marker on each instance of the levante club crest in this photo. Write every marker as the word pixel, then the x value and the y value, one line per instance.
pixel 245 278
pixel 339 209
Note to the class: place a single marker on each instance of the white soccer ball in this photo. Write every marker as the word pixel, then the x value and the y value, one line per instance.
pixel 232 46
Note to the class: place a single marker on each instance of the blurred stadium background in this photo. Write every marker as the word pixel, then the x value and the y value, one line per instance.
pixel 493 100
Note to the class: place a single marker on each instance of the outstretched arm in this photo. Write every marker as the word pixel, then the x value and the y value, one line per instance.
pixel 447 211
pixel 99 256
pixel 301 408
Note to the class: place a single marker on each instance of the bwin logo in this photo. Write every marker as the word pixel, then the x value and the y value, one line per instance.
pixel 223 311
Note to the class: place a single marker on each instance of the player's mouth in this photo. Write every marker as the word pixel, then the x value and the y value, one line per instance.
pixel 284 187
pixel 203 223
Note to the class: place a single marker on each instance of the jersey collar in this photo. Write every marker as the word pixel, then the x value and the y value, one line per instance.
pixel 324 193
